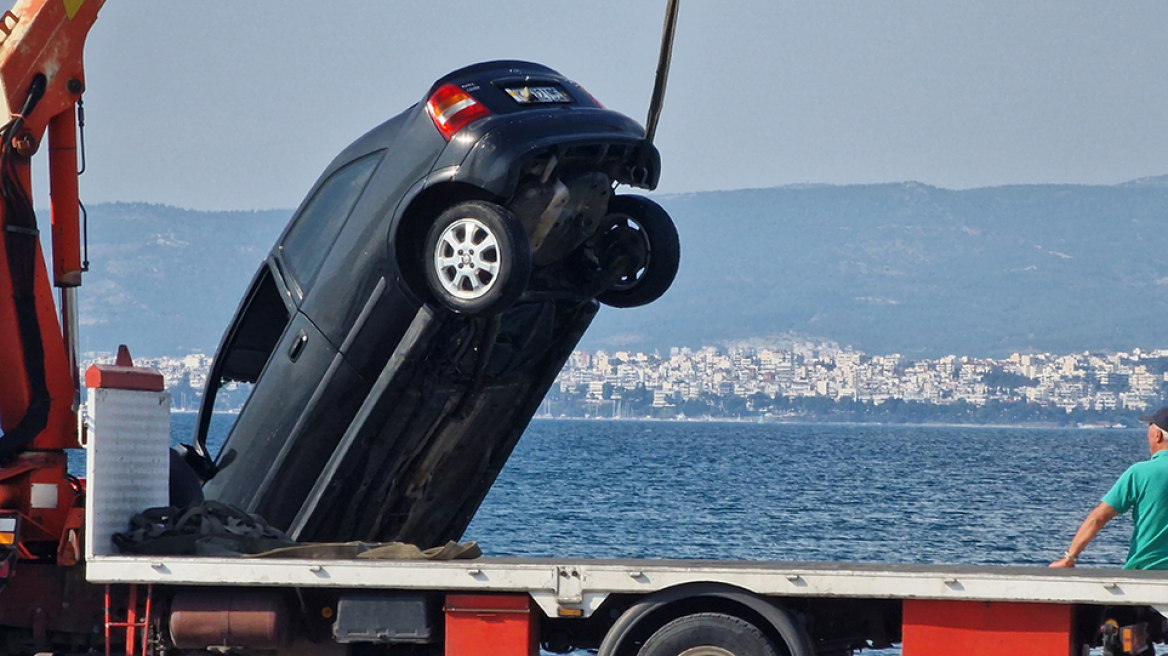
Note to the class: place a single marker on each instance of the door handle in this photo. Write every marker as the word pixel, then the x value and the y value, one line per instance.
pixel 297 346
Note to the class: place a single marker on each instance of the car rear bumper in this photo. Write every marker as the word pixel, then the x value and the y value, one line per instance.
pixel 500 150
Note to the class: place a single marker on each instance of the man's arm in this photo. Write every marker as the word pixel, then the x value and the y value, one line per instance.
pixel 1095 521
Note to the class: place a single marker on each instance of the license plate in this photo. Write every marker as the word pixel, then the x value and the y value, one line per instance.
pixel 537 95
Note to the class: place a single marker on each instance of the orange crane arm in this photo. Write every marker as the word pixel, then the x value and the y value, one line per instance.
pixel 41 79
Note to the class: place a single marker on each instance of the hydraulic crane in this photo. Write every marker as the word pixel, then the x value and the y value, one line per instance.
pixel 42 79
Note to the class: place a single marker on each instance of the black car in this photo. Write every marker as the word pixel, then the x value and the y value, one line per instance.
pixel 405 327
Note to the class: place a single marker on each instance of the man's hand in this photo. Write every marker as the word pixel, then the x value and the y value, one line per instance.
pixel 1063 563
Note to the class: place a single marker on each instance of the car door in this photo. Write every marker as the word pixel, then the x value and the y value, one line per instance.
pixel 293 372
pixel 306 393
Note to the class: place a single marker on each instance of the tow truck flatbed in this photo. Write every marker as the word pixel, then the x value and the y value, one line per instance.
pixel 587 583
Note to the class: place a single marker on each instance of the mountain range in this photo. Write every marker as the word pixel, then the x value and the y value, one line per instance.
pixel 889 268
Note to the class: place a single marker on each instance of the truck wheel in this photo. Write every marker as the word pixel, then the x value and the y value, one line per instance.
pixel 477 258
pixel 658 253
pixel 708 634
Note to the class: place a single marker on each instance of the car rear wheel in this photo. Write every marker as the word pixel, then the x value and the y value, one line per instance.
pixel 477 258
pixel 708 634
pixel 644 231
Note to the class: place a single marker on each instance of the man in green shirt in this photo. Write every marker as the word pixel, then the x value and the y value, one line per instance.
pixel 1143 489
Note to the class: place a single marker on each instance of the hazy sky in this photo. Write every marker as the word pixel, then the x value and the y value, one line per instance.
pixel 238 104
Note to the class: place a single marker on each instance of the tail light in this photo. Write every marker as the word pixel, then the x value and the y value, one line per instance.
pixel 9 537
pixel 9 527
pixel 592 97
pixel 452 109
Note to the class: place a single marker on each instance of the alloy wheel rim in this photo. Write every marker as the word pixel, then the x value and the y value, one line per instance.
pixel 466 259
pixel 632 279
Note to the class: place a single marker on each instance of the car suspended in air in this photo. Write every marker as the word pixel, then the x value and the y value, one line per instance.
pixel 405 327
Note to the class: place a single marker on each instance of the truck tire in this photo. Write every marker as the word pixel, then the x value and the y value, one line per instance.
pixel 708 634
pixel 477 258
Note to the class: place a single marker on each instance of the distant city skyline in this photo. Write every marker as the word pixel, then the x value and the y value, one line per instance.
pixel 1086 381
pixel 800 369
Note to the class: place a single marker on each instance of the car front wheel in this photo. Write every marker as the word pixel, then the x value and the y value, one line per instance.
pixel 477 258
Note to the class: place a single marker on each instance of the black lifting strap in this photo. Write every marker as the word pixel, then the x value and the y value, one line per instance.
pixel 20 244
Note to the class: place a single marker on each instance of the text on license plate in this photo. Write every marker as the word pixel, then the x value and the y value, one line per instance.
pixel 532 95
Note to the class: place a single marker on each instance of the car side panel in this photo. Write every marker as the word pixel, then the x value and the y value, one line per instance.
pixel 359 258
pixel 383 321
pixel 293 397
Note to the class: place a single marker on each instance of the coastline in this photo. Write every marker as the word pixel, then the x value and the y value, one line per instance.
pixel 829 422
pixel 793 422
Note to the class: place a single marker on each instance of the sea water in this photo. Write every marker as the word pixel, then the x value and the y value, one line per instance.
pixel 813 492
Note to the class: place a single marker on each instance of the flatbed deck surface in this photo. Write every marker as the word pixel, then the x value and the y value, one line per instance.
pixel 585 583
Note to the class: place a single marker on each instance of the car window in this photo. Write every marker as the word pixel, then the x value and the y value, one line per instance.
pixel 313 233
pixel 256 332
pixel 254 335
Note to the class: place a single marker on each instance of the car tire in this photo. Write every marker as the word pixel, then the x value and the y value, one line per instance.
pixel 708 634
pixel 477 258
pixel 662 251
